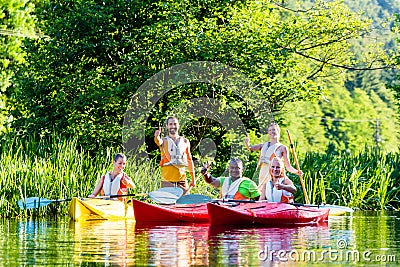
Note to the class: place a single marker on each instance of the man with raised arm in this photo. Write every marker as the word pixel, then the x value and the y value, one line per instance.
pixel 235 186
pixel 175 156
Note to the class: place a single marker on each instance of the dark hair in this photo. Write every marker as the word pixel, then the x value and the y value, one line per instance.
pixel 170 117
pixel 119 155
pixel 237 161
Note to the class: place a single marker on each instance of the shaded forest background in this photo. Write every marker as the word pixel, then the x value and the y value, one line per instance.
pixel 324 67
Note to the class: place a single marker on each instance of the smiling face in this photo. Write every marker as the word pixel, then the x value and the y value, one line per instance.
pixel 119 164
pixel 274 131
pixel 276 168
pixel 172 126
pixel 235 169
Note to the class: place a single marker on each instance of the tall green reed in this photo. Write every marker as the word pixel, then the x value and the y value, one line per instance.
pixel 367 180
pixel 57 167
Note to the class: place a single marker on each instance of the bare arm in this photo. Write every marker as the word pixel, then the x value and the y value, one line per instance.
pixel 97 189
pixel 157 139
pixel 263 195
pixel 252 148
pixel 126 180
pixel 190 163
pixel 289 167
pixel 287 185
pixel 208 177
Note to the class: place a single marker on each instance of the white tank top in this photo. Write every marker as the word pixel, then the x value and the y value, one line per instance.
pixel 266 152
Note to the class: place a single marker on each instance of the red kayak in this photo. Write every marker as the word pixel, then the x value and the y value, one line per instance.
pixel 263 213
pixel 146 212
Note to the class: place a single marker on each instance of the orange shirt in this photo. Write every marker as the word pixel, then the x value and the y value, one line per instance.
pixel 169 171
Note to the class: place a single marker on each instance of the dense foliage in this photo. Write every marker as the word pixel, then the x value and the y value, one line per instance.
pixel 302 63
pixel 80 81
pixel 16 23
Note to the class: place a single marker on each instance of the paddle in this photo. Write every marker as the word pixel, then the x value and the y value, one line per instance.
pixel 198 199
pixel 166 195
pixel 298 168
pixel 37 202
pixel 193 199
pixel 344 209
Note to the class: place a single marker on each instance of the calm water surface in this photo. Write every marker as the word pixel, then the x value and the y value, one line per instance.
pixel 366 238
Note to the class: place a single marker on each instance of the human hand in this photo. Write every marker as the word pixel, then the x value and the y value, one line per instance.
pixel 192 183
pixel 247 141
pixel 278 186
pixel 205 169
pixel 91 196
pixel 157 132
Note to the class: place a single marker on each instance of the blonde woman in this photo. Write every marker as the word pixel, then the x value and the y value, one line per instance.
pixel 280 188
pixel 268 151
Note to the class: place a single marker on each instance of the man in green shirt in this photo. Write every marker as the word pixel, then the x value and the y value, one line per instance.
pixel 235 186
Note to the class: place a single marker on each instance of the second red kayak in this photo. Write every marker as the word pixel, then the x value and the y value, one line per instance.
pixel 271 214
pixel 193 213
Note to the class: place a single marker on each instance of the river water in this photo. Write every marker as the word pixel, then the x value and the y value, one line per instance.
pixel 365 238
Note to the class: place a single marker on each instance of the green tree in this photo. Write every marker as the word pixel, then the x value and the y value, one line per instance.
pixel 17 22
pixel 81 79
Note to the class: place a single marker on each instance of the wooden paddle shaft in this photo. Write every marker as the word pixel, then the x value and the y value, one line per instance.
pixel 298 168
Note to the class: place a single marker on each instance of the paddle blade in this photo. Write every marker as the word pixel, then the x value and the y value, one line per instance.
pixel 193 199
pixel 162 197
pixel 33 202
pixel 339 208
pixel 177 191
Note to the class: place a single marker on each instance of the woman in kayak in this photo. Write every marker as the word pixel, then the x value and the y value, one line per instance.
pixel 115 182
pixel 269 150
pixel 235 186
pixel 280 188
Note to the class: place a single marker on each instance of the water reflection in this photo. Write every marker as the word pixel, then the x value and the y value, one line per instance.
pixel 176 245
pixel 262 246
pixel 102 241
pixel 124 243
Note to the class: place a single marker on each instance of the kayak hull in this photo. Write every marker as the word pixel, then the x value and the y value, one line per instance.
pixel 99 209
pixel 191 213
pixel 271 214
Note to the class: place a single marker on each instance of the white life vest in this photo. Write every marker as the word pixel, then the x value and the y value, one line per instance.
pixel 274 195
pixel 229 190
pixel 268 152
pixel 177 152
pixel 111 187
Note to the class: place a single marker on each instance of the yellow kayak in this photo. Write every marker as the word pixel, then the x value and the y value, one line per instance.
pixel 99 209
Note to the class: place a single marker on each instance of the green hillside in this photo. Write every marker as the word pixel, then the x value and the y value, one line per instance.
pixel 357 109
